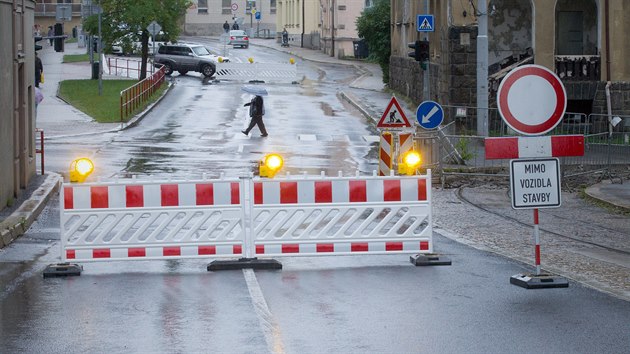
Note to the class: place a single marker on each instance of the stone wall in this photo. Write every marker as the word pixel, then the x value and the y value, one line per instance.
pixel 462 44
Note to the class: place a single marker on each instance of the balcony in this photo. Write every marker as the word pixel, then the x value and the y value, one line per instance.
pixel 578 67
pixel 50 10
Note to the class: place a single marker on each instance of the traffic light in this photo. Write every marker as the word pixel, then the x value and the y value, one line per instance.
pixel 80 169
pixel 409 163
pixel 37 39
pixel 420 52
pixel 270 165
pixel 58 37
pixel 415 54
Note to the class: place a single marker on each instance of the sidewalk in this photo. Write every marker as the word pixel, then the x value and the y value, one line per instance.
pixel 59 119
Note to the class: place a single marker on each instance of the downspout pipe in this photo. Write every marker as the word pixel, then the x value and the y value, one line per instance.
pixel 607 20
pixel 303 26
pixel 332 29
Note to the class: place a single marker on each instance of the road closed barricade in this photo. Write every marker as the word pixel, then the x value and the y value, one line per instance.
pixel 151 220
pixel 246 218
pixel 342 215
pixel 259 72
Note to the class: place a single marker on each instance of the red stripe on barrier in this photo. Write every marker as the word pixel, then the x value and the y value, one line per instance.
pixel 288 192
pixel 68 198
pixel 291 248
pixel 235 187
pixel 260 249
pixel 385 157
pixel 99 197
pixel 391 190
pixel 101 253
pixel 170 194
pixel 359 247
pixel 567 145
pixel 501 148
pixel 204 194
pixel 172 251
pixel 258 193
pixel 358 191
pixel 393 246
pixel 323 192
pixel 325 247
pixel 71 254
pixel 537 255
pixel 206 250
pixel 237 249
pixel 134 196
pixel 424 245
pixel 422 189
pixel 137 252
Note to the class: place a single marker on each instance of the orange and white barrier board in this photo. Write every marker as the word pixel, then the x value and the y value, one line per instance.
pixel 385 154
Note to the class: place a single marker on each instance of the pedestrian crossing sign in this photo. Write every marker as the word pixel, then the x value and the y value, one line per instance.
pixel 425 23
pixel 394 116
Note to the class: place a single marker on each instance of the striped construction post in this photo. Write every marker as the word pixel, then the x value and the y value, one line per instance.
pixel 405 144
pixel 385 153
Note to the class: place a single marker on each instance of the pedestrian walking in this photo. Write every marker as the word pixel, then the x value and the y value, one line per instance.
pixel 226 27
pixel 51 33
pixel 39 70
pixel 235 26
pixel 256 112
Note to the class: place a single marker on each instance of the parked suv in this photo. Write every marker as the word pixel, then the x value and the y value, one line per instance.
pixel 185 57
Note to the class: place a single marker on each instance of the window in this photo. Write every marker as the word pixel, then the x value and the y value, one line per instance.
pixel 369 3
pixel 226 7
pixel 202 6
pixel 272 6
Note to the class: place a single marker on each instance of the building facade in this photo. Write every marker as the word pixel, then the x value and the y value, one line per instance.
pixel 17 104
pixel 583 41
pixel 46 14
pixel 338 25
pixel 206 17
pixel 302 20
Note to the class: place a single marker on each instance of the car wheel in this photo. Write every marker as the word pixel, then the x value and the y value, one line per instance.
pixel 168 69
pixel 207 70
pixel 183 72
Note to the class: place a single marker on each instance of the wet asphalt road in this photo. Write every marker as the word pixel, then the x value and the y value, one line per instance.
pixel 347 304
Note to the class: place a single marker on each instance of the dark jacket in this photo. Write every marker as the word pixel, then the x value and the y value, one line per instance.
pixel 39 69
pixel 256 107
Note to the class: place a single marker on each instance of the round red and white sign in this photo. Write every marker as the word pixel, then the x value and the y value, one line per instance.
pixel 531 99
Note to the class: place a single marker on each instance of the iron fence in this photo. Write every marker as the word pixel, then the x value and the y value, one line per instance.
pixel 456 148
pixel 139 94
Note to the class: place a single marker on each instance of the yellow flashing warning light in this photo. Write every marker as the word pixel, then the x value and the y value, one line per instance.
pixel 220 59
pixel 409 162
pixel 270 165
pixel 80 169
pixel 250 60
pixel 292 61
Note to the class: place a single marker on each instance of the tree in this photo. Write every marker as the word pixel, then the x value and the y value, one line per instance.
pixel 122 17
pixel 373 27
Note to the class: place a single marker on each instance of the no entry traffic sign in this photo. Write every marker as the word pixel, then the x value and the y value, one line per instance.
pixel 532 100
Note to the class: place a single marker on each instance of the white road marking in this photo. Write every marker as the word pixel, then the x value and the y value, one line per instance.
pixel 269 327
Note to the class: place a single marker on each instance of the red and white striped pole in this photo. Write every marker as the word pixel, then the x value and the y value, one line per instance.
pixel 537 241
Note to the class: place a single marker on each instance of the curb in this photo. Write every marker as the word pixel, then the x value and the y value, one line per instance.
pixel 592 193
pixel 21 220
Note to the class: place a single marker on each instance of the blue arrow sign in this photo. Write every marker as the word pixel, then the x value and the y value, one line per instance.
pixel 425 23
pixel 429 114
pixel 257 15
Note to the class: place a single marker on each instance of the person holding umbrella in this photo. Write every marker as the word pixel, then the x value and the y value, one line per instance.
pixel 256 110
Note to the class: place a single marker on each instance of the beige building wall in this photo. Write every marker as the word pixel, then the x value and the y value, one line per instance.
pixel 207 18
pixel 17 106
pixel 302 19
pixel 338 26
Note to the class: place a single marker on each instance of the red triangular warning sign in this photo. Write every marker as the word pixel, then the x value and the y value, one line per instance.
pixel 394 116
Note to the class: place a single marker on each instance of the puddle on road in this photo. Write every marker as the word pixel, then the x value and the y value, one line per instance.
pixel 327 109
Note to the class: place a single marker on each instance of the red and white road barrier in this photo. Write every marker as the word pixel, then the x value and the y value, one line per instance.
pixel 539 146
pixel 246 218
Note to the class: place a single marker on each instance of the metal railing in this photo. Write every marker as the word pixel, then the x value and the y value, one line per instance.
pixel 40 150
pixel 127 67
pixel 461 151
pixel 139 94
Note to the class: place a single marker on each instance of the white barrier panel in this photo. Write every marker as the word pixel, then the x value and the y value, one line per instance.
pixel 358 215
pixel 246 217
pixel 256 71
pixel 116 221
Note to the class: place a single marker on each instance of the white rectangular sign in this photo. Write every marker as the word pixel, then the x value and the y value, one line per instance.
pixel 535 183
